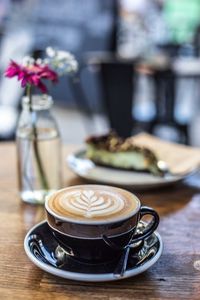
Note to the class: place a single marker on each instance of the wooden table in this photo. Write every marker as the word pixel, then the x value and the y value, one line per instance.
pixel 175 276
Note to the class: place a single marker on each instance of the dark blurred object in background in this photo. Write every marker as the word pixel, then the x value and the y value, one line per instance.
pixel 168 29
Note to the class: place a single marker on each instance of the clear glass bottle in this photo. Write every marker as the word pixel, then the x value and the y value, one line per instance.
pixel 38 150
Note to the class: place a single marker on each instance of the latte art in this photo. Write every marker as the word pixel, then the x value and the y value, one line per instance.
pixel 88 204
pixel 92 203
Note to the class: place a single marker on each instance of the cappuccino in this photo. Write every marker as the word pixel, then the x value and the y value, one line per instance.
pixel 92 204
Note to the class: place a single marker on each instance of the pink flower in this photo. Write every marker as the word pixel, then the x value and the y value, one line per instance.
pixel 31 74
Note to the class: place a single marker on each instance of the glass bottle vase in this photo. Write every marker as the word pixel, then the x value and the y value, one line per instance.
pixel 38 150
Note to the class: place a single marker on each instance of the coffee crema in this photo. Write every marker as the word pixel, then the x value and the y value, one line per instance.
pixel 92 203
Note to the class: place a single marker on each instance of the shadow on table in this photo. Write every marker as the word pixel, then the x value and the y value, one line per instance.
pixel 31 214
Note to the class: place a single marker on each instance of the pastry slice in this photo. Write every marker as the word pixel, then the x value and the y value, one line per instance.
pixel 113 151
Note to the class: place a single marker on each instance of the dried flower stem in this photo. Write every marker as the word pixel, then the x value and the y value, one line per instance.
pixel 41 172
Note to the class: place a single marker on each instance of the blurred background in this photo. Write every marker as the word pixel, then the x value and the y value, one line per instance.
pixel 139 65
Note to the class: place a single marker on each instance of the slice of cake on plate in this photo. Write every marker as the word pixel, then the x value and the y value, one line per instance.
pixel 113 151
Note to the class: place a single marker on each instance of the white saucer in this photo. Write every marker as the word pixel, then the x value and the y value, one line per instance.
pixel 42 255
pixel 86 169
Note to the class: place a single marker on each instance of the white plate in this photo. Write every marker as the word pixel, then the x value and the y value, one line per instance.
pixel 86 169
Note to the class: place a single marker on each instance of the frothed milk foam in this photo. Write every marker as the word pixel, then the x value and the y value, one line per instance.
pixel 92 203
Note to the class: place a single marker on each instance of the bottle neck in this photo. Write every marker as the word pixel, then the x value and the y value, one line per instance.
pixel 37 103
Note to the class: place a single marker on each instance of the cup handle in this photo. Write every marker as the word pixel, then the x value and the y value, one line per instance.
pixel 150 228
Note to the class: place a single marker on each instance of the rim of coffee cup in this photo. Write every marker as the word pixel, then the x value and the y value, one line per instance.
pixel 88 222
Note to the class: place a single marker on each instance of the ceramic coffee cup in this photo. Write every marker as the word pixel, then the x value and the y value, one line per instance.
pixel 96 222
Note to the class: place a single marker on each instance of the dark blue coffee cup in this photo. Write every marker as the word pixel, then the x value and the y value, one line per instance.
pixel 100 241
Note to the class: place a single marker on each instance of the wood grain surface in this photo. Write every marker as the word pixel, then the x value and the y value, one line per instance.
pixel 175 276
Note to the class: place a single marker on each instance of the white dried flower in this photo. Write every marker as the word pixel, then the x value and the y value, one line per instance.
pixel 28 60
pixel 46 61
pixel 50 51
pixel 62 62
pixel 39 61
